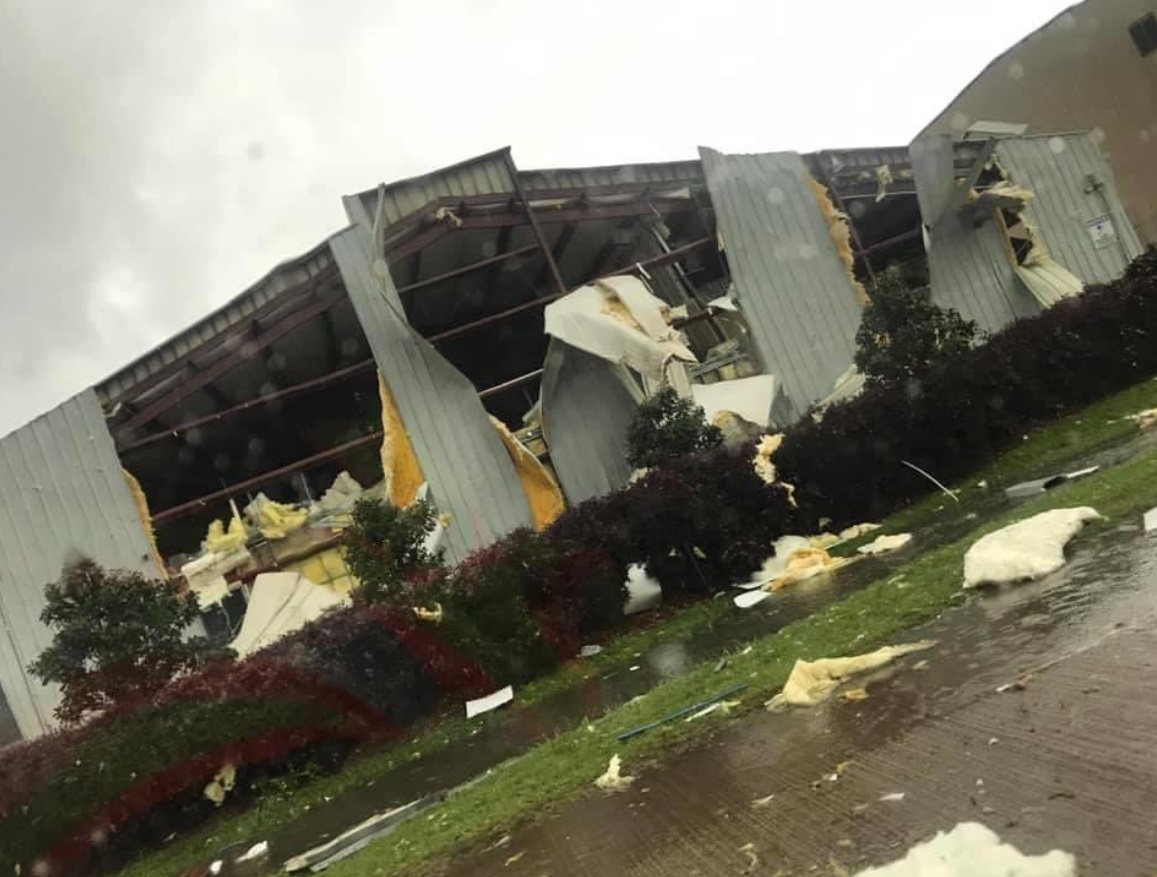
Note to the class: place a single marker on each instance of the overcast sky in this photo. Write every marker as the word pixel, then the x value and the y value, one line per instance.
pixel 159 157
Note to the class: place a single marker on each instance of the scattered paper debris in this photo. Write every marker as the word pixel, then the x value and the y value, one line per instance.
pixel 752 859
pixel 613 780
pixel 514 858
pixel 1020 684
pixel 893 797
pixel 1144 419
pixel 922 664
pixel 882 544
pixel 1040 485
pixel 257 851
pixel 750 598
pixel 1027 549
pixel 589 651
pixel 857 530
pixel 763 802
pixel 974 850
pixel 812 682
pixel 490 702
pixel 215 867
pixel 644 593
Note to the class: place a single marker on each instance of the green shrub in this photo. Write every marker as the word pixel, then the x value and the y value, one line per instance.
pixel 118 636
pixel 384 546
pixel 667 427
pixel 903 335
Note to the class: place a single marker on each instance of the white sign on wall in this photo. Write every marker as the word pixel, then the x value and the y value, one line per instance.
pixel 1101 231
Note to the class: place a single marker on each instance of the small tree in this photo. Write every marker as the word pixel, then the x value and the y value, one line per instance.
pixel 385 547
pixel 667 426
pixel 119 635
pixel 903 335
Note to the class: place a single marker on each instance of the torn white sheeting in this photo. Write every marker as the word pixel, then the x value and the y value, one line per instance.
pixel 490 702
pixel 751 398
pixel 643 592
pixel 280 603
pixel 723 303
pixel 974 850
pixel 882 544
pixel 812 682
pixel 618 320
pixel 341 495
pixel 751 598
pixel 1027 549
pixel 257 851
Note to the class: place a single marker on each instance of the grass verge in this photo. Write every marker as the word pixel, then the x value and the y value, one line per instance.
pixel 1097 426
pixel 568 764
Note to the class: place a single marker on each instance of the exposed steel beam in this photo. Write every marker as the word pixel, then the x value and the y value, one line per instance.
pixel 552 266
pixel 468 269
pixel 583 214
pixel 284 393
pixel 508 385
pixel 263 479
pixel 231 360
pixel 242 327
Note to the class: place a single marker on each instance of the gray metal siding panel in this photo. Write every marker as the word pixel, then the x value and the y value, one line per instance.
pixel 62 490
pixel 793 287
pixel 585 414
pixel 970 268
pixel 1055 168
pixel 577 178
pixel 470 473
pixel 971 273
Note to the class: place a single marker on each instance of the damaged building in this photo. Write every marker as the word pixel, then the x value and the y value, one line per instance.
pixel 482 335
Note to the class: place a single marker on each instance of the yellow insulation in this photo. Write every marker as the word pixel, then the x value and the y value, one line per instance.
pixel 542 492
pixel 841 234
pixel 400 467
pixel 142 504
pixel 326 568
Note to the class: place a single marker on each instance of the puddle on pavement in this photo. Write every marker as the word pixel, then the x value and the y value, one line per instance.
pixel 1109 577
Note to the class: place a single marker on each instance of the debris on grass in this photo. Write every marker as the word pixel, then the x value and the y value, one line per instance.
pixel 854 694
pixel 1020 684
pixel 812 682
pixel 613 780
pixel 759 803
pixel 882 544
pixel 752 859
pixel 516 857
pixel 257 851
pixel 700 707
pixel 893 797
pixel 489 702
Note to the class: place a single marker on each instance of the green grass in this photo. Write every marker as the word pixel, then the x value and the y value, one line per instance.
pixel 567 765
pixel 1046 448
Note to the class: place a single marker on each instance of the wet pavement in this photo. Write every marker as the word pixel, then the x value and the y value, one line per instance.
pixel 1068 762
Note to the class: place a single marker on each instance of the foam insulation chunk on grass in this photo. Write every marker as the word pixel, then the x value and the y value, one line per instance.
pixel 1025 550
pixel 973 850
pixel 613 780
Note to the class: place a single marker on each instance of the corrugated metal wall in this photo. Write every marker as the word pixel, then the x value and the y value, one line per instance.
pixel 461 454
pixel 577 178
pixel 483 175
pixel 793 287
pixel 62 490
pixel 586 409
pixel 970 268
pixel 1055 168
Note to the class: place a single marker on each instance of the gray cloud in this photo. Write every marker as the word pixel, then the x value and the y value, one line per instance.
pixel 158 158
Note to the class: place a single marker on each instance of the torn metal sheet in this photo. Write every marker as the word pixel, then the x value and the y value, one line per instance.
pixel 481 705
pixel 461 456
pixel 790 281
pixel 1049 281
pixel 1074 185
pixel 1040 485
pixel 587 406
